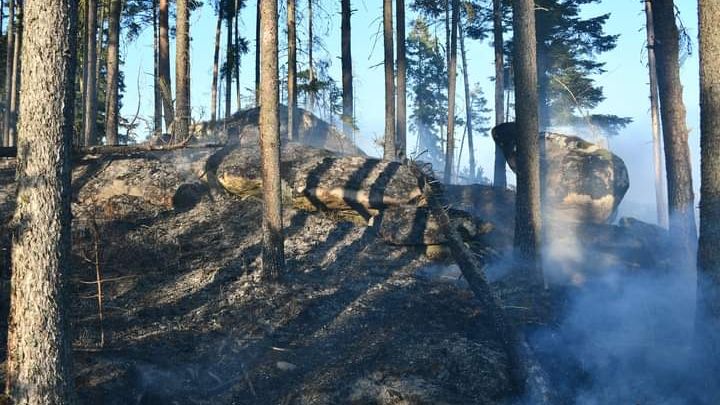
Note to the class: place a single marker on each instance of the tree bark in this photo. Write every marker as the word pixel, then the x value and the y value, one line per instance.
pixel 708 313
pixel 157 94
pixel 452 86
pixel 390 141
pixel 660 197
pixel 17 65
pixel 164 61
pixel 401 112
pixel 10 43
pixel 182 71
pixel 273 256
pixel 311 62
pixel 237 56
pixel 39 353
pixel 499 175
pixel 258 22
pixel 90 87
pixel 292 71
pixel 675 134
pixel 347 73
pixel 229 58
pixel 216 68
pixel 527 217
pixel 113 72
pixel 468 106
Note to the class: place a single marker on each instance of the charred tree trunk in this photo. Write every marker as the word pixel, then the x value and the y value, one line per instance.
pixel 39 352
pixel 258 22
pixel 675 134
pixel 708 313
pixel 347 74
pixel 527 205
pixel 113 72
pixel 452 85
pixel 468 105
pixel 273 256
pixel 401 112
pixel 237 54
pixel 229 58
pixel 390 140
pixel 216 68
pixel 90 99
pixel 182 71
pixel 660 197
pixel 164 61
pixel 292 71
pixel 9 52
pixel 311 62
pixel 499 175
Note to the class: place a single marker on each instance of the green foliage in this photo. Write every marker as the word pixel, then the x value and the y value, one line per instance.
pixel 480 111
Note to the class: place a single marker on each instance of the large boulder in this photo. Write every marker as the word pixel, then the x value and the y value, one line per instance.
pixel 582 182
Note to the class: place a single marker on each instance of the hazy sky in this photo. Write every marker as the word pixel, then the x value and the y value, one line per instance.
pixel 625 82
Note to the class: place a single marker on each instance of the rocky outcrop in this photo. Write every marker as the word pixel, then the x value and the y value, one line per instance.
pixel 582 182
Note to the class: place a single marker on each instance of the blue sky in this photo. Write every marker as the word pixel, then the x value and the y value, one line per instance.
pixel 625 82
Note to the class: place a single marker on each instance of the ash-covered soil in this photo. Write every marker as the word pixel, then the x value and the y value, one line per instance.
pixel 185 320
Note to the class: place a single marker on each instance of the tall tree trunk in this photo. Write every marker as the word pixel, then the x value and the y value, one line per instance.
pixel 258 22
pixel 527 217
pixel 39 353
pixel 292 71
pixel 389 152
pixel 452 85
pixel 216 68
pixel 17 65
pixel 157 94
pixel 100 45
pixel 401 135
pixel 708 312
pixel 675 134
pixel 182 71
pixel 499 175
pixel 113 73
pixel 660 197
pixel 229 60
pixel 9 52
pixel 273 256
pixel 164 61
pixel 468 105
pixel 238 57
pixel 347 73
pixel 90 99
pixel 311 62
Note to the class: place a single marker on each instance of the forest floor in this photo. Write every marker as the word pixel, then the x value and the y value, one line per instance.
pixel 184 320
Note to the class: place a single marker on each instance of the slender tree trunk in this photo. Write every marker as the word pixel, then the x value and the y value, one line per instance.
pixel 157 95
pixel 273 256
pixel 216 68
pixel 238 57
pixel 90 106
pixel 660 197
pixel 347 73
pixel 452 85
pixel 17 65
pixel 292 71
pixel 675 133
pixel 468 106
pixel 113 72
pixel 390 140
pixel 499 175
pixel 447 32
pixel 708 313
pixel 229 61
pixel 311 62
pixel 39 353
pixel 100 47
pixel 182 70
pixel 527 218
pixel 258 22
pixel 10 46
pixel 401 135
pixel 164 61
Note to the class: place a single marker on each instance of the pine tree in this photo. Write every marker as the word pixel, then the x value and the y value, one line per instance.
pixel 182 70
pixel 401 97
pixel 499 176
pixel 112 95
pixel 347 74
pixel 90 85
pixel 389 150
pixel 292 71
pixel 452 80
